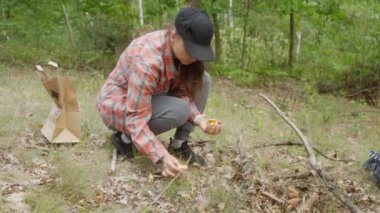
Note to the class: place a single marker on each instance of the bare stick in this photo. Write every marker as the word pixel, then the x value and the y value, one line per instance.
pixel 292 143
pixel 328 181
pixel 272 196
pixel 333 159
pixel 200 143
pixel 114 159
pixel 155 200
pixel 171 182
pixel 288 143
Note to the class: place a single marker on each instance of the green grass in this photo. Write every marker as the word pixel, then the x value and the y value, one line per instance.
pixel 46 200
pixel 224 198
pixel 173 189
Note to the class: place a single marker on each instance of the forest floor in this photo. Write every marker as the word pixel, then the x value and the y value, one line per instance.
pixel 241 175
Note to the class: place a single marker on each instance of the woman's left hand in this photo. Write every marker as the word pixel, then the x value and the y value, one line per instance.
pixel 210 126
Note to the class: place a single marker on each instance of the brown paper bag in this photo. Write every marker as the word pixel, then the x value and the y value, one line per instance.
pixel 63 123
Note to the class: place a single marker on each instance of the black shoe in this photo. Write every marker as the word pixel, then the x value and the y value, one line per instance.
pixel 186 153
pixel 122 148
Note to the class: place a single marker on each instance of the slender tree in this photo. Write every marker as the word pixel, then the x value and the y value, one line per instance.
pixel 247 5
pixel 230 17
pixel 68 24
pixel 217 41
pixel 291 38
pixel 141 12
pixel 194 3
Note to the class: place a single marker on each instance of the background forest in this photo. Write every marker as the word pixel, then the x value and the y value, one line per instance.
pixel 313 41
pixel 317 59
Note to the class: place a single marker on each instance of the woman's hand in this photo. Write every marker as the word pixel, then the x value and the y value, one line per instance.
pixel 210 126
pixel 170 165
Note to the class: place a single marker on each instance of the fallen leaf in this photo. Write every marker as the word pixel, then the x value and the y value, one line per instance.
pixel 150 178
pixel 293 203
pixel 293 192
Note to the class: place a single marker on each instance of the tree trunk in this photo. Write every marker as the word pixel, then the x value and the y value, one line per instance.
pixel 194 3
pixel 230 15
pixel 291 38
pixel 141 12
pixel 6 12
pixel 218 46
pixel 298 45
pixel 244 34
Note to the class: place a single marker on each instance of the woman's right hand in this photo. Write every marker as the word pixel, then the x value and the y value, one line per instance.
pixel 210 126
pixel 170 165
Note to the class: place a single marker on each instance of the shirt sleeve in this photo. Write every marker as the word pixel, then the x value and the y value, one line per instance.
pixel 141 84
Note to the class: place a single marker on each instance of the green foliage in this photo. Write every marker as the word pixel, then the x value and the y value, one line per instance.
pixel 159 12
pixel 35 32
pixel 338 38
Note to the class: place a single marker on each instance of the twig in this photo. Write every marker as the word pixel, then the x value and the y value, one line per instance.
pixel 200 143
pixel 328 181
pixel 288 143
pixel 272 196
pixel 294 176
pixel 333 159
pixel 114 159
pixel 170 183
pixel 291 143
pixel 166 187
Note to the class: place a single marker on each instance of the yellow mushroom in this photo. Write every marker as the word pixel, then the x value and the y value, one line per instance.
pixel 212 122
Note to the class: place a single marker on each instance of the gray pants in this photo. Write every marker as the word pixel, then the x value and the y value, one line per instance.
pixel 170 112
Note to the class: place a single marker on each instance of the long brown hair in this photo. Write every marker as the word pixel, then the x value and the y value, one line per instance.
pixel 191 77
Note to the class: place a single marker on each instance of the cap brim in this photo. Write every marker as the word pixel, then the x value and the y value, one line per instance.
pixel 199 52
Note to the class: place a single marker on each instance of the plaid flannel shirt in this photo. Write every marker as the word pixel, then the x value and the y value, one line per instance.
pixel 144 69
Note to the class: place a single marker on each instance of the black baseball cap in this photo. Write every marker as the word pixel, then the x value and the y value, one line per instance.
pixel 195 28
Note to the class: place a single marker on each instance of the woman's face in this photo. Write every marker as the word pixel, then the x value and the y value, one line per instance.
pixel 180 51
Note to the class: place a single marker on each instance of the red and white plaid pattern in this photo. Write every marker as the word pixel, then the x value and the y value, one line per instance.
pixel 144 69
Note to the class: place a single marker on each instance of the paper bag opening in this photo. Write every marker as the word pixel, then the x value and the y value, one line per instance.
pixel 63 122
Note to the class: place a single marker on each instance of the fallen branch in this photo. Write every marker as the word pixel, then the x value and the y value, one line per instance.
pixel 293 176
pixel 288 143
pixel 315 166
pixel 200 143
pixel 272 196
pixel 333 159
pixel 113 162
pixel 291 143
